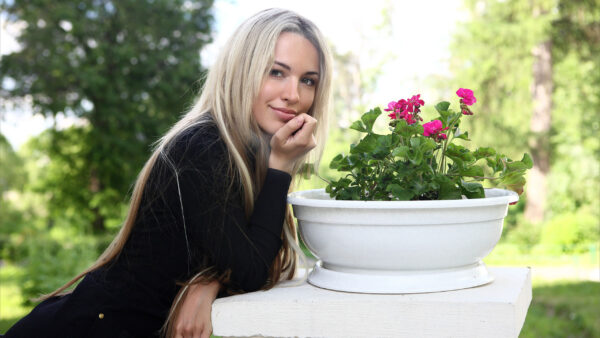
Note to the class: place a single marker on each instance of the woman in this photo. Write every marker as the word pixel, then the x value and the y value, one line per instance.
pixel 208 213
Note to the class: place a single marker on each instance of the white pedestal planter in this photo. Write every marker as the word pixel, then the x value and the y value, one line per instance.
pixel 400 246
pixel 496 310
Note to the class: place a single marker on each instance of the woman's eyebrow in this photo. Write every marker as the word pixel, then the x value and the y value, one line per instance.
pixel 281 64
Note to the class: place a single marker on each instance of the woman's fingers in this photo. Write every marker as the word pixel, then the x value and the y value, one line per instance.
pixel 304 136
pixel 292 141
pixel 298 132
pixel 288 129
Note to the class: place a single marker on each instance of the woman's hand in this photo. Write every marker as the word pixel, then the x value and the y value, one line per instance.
pixel 292 141
pixel 194 318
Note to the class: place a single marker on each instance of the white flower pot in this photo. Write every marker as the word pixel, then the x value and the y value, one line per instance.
pixel 400 246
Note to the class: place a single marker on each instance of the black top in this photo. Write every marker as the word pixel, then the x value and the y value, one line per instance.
pixel 175 236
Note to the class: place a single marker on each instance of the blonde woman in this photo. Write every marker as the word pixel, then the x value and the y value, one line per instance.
pixel 208 214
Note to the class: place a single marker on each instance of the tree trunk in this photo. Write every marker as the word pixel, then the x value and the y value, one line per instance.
pixel 539 141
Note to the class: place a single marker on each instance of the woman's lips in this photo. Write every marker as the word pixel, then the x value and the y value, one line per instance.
pixel 284 114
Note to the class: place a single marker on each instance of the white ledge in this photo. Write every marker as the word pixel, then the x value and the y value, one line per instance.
pixel 497 309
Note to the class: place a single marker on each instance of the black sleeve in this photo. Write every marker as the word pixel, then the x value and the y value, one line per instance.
pixel 215 217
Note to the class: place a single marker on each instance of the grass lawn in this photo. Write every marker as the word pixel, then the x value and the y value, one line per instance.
pixel 563 308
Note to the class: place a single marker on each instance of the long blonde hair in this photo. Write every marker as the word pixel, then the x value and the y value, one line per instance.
pixel 229 91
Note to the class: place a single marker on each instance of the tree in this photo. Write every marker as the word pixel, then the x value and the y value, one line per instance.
pixel 531 63
pixel 540 123
pixel 12 179
pixel 127 69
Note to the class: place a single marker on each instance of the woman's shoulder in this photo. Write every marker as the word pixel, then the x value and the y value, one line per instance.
pixel 202 140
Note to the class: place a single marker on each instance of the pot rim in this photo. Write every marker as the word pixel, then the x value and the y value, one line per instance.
pixel 494 196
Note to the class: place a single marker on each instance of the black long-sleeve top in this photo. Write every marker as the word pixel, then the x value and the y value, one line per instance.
pixel 191 217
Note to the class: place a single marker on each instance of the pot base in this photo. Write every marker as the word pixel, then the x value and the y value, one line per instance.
pixel 397 282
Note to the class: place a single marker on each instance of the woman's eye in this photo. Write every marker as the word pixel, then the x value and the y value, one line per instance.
pixel 276 73
pixel 308 81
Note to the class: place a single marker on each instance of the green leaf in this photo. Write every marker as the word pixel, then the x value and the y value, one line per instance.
pixel 483 152
pixel 463 136
pixel 336 162
pixel 358 126
pixel 405 130
pixel 366 145
pixel 472 171
pixel 449 191
pixel 384 145
pixel 399 192
pixel 416 157
pixel 427 144
pixel 516 166
pixel 459 153
pixel 472 189
pixel 527 160
pixel 496 163
pixel 369 118
pixel 514 181
pixel 415 142
pixel 442 106
pixel 401 151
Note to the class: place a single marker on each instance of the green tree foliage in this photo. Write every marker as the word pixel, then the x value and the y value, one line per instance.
pixel 127 69
pixel 12 179
pixel 492 54
pixel 11 175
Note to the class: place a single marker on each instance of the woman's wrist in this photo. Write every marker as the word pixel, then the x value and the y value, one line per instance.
pixel 212 288
pixel 276 163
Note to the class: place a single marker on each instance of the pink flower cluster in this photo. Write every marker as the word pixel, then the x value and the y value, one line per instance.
pixel 434 129
pixel 467 99
pixel 406 109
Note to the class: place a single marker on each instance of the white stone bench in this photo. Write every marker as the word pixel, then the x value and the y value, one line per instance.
pixel 497 309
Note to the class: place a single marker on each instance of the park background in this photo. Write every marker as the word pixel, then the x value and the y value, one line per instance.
pixel 87 86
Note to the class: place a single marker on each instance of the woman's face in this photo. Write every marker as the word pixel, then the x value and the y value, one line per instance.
pixel 289 88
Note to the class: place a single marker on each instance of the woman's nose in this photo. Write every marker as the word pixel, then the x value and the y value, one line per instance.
pixel 290 91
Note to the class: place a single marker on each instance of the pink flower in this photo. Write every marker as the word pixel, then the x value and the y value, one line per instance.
pixel 434 129
pixel 398 109
pixel 391 106
pixel 414 103
pixel 466 96
pixel 406 109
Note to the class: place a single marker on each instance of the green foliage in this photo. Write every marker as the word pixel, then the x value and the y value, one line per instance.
pixel 524 235
pixel 54 259
pixel 563 309
pixel 12 179
pixel 571 232
pixel 11 175
pixel 126 69
pixel 11 306
pixel 493 53
pixel 407 165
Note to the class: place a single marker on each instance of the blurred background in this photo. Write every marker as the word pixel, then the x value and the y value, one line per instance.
pixel 87 86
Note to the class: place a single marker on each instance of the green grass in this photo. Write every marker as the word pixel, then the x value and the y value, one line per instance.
pixel 563 309
pixel 508 254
